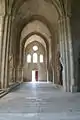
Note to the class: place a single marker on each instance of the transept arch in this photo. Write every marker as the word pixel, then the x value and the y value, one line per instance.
pixel 28 36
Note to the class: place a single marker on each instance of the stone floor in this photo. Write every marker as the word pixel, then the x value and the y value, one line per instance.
pixel 40 101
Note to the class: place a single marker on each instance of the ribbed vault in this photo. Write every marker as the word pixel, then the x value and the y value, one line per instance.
pixel 28 12
pixel 57 3
pixel 35 38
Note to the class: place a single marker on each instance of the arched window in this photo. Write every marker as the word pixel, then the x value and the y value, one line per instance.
pixel 41 58
pixel 28 58
pixel 35 58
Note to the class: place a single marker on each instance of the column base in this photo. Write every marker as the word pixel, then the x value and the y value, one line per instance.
pixel 74 89
pixel 78 89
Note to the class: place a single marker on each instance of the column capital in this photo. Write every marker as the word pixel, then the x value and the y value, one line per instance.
pixel 8 15
pixel 62 18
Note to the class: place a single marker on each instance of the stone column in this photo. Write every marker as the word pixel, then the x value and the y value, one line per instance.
pixel 47 75
pixel 47 65
pixel 53 75
pixel 67 58
pixel 20 54
pixel 19 74
pixel 5 52
pixel 70 56
pixel 1 41
pixel 62 51
pixel 14 75
pixel 66 55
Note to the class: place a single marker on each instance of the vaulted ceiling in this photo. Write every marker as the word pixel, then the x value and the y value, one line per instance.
pixel 25 12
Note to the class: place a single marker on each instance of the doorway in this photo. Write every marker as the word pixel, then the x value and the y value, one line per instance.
pixel 34 76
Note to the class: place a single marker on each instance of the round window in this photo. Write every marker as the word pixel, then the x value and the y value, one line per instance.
pixel 35 48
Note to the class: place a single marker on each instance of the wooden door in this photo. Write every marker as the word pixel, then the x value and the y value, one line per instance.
pixel 36 75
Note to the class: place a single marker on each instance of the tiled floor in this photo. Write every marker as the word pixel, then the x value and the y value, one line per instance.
pixel 40 101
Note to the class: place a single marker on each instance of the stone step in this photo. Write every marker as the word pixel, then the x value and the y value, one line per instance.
pixel 4 92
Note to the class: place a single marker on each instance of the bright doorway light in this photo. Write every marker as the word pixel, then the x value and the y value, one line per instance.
pixel 33 76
